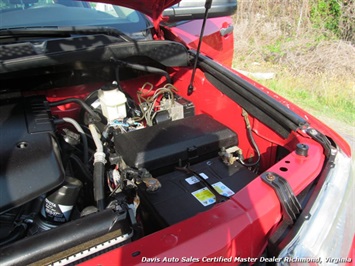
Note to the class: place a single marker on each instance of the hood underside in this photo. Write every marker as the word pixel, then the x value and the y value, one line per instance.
pixel 152 8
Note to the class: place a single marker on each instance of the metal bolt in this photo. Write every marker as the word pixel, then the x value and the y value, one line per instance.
pixel 270 177
pixel 313 131
pixel 333 151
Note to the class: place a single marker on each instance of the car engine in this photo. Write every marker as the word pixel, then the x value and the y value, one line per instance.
pixel 145 161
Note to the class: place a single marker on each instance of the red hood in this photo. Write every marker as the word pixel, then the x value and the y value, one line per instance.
pixel 152 8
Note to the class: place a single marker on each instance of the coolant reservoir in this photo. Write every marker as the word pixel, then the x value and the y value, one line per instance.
pixel 113 102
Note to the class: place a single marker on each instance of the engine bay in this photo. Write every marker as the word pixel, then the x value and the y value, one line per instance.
pixel 100 152
pixel 138 155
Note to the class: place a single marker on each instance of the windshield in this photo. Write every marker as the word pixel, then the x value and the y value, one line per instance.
pixel 57 13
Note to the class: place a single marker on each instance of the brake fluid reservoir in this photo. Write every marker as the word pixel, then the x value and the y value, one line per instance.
pixel 113 102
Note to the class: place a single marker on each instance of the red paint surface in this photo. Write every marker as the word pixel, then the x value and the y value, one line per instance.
pixel 220 48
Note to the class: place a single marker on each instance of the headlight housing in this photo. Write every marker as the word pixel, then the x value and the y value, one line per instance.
pixel 327 235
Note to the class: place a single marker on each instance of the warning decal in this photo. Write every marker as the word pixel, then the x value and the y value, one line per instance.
pixel 206 197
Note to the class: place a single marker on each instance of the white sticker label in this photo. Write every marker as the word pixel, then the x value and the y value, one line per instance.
pixel 193 179
pixel 96 104
pixel 206 197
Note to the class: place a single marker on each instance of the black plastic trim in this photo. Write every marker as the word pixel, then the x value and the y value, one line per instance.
pixel 284 232
pixel 291 207
pixel 63 51
pixel 252 99
pixel 44 245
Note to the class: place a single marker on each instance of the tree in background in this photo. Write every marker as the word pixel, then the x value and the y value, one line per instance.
pixel 334 16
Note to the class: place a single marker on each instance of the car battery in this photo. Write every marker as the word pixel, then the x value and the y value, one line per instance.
pixel 183 195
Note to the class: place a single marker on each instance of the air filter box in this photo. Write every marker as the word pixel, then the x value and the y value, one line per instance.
pixel 168 143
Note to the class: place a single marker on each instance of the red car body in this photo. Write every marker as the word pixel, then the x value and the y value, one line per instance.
pixel 217 41
pixel 234 231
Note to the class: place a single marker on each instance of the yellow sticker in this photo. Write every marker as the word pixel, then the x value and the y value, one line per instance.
pixel 206 197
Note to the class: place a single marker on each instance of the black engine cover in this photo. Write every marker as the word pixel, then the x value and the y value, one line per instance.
pixel 162 145
pixel 30 162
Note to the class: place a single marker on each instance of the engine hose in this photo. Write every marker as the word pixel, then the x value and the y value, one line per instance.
pixel 98 182
pixel 99 170
pixel 87 108
pixel 251 138
pixel 253 143
pixel 81 167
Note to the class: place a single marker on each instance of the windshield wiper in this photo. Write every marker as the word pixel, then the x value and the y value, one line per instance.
pixel 63 32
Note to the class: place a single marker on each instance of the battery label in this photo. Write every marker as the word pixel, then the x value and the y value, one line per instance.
pixel 223 189
pixel 193 179
pixel 206 197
